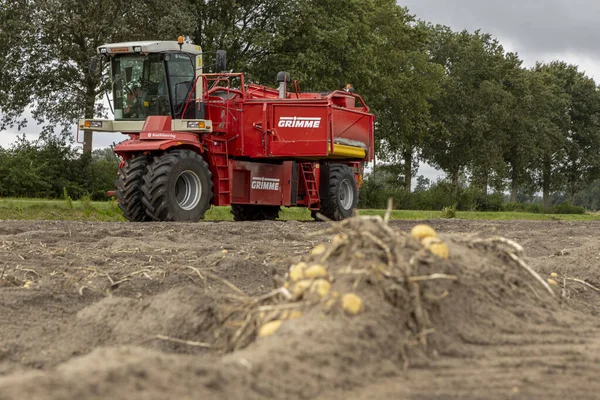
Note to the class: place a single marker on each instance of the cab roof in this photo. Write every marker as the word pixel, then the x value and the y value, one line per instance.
pixel 156 46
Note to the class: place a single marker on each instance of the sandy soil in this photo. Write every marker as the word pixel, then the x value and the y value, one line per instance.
pixel 81 305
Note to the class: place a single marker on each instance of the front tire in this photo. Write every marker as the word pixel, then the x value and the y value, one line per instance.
pixel 341 197
pixel 129 188
pixel 177 187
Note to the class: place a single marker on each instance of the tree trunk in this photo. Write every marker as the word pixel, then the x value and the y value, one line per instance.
pixel 407 169
pixel 485 182
pixel 374 167
pixel 455 182
pixel 546 171
pixel 90 100
pixel 514 193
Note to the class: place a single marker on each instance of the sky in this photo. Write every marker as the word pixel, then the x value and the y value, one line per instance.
pixel 538 30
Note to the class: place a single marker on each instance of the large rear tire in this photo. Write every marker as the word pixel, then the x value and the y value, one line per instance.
pixel 177 187
pixel 248 212
pixel 129 188
pixel 341 197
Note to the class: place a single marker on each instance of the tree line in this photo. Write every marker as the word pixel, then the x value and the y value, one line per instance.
pixel 456 100
pixel 51 168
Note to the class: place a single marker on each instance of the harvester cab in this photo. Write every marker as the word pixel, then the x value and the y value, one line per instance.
pixel 154 78
pixel 200 138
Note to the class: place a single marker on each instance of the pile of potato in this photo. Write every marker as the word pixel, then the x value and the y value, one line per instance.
pixel 429 239
pixel 312 283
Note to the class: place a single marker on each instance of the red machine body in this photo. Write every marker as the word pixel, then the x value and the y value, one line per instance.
pixel 265 149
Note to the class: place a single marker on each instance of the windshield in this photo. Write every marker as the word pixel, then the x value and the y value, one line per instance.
pixel 140 87
pixel 180 68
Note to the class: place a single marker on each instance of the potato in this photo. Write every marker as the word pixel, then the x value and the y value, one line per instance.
pixel 422 231
pixel 297 271
pixel 439 249
pixel 321 286
pixel 315 271
pixel 301 286
pixel 552 282
pixel 352 304
pixel 436 246
pixel 318 250
pixel 340 237
pixel 269 328
pixel 429 240
pixel 294 314
pixel 554 275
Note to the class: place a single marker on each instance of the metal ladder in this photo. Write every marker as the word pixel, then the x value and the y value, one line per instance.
pixel 310 186
pixel 219 161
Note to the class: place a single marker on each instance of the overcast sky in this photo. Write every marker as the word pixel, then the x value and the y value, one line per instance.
pixel 538 30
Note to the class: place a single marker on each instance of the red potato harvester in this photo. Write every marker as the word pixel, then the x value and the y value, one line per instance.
pixel 198 139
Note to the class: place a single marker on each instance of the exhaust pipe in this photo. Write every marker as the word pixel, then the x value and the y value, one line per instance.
pixel 283 78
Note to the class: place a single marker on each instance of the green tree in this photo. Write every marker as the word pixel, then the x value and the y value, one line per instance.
pixel 467 118
pixel 249 30
pixel 580 164
pixel 589 197
pixel 406 84
pixel 571 146
pixel 48 44
pixel 423 184
pixel 548 120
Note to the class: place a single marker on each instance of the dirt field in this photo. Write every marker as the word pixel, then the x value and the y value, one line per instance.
pixel 81 305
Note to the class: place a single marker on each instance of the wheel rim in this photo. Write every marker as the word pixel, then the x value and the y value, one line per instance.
pixel 346 195
pixel 188 190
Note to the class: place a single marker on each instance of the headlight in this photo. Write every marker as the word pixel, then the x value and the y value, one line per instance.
pixel 103 50
pixel 196 125
pixel 137 49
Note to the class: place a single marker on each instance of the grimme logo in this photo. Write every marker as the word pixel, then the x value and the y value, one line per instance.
pixel 265 184
pixel 299 122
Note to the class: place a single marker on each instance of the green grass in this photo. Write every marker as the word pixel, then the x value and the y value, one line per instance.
pixel 36 209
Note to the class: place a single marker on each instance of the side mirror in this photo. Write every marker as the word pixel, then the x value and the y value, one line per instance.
pixel 97 63
pixel 221 60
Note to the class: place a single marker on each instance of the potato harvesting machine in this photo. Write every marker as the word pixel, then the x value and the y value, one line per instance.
pixel 198 139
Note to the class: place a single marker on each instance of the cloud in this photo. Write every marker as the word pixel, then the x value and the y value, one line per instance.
pixel 539 30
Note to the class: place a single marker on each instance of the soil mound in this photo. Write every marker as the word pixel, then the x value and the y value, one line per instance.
pixel 187 313
pixel 364 306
